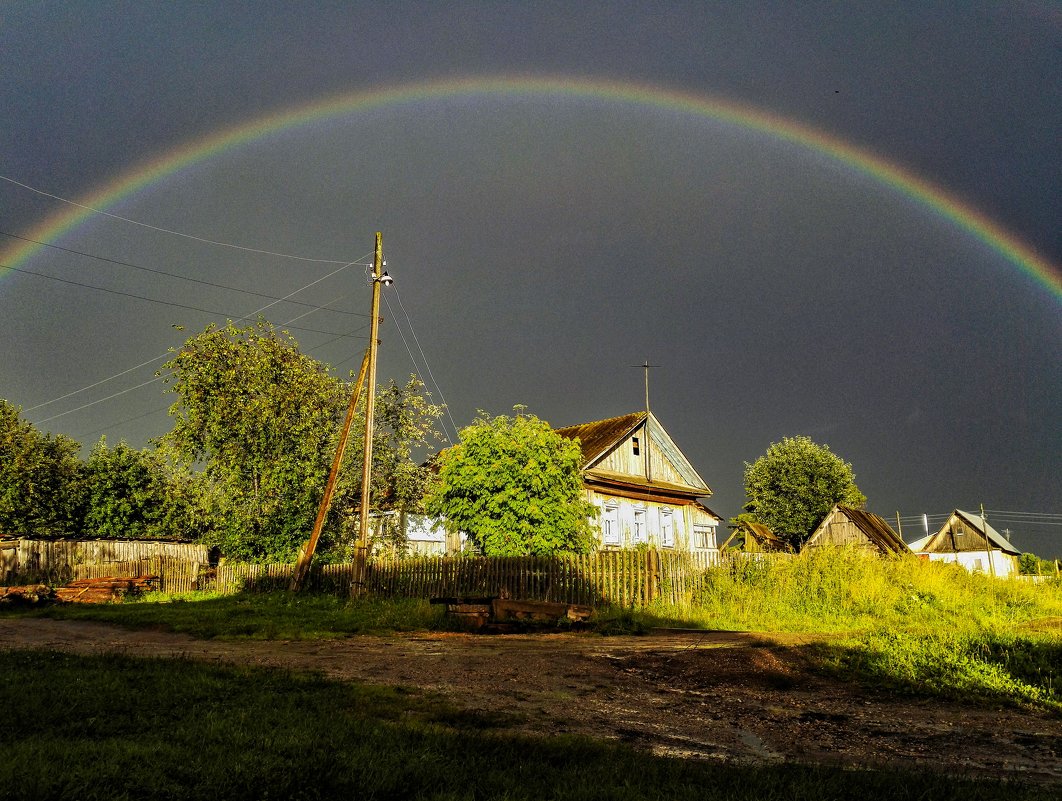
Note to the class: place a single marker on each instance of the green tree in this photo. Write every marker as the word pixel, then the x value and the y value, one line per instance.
pixel 1029 564
pixel 138 493
pixel 513 485
pixel 794 484
pixel 257 414
pixel 263 419
pixel 41 490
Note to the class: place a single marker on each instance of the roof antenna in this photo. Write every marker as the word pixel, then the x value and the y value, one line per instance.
pixel 648 457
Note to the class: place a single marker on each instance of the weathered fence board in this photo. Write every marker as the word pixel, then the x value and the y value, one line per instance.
pixel 618 578
pixel 60 557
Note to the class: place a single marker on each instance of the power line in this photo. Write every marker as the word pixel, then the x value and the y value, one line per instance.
pixel 102 381
pixel 122 422
pixel 300 289
pixel 164 355
pixel 446 406
pixel 1024 514
pixel 416 367
pixel 167 274
pixel 164 302
pixel 93 403
pixel 165 230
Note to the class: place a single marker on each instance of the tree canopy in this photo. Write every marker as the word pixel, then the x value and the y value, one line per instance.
pixel 263 419
pixel 794 484
pixel 41 488
pixel 513 485
pixel 139 494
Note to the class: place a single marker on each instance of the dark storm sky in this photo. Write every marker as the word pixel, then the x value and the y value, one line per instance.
pixel 541 246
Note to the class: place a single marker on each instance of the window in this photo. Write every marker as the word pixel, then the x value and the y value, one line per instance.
pixel 704 536
pixel 610 525
pixel 639 525
pixel 959 530
pixel 634 443
pixel 667 529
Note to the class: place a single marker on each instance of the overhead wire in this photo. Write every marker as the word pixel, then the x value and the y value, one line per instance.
pixel 188 307
pixel 165 273
pixel 427 366
pixel 416 369
pixel 158 378
pixel 114 216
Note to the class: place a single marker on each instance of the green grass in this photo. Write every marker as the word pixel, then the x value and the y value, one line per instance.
pixel 993 668
pixel 117 727
pixel 839 590
pixel 899 624
pixel 906 625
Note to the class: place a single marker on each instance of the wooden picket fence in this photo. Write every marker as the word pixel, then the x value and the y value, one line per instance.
pixel 616 578
pixel 633 578
pixel 54 560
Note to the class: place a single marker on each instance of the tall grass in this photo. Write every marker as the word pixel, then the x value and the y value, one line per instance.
pixel 909 625
pixel 838 589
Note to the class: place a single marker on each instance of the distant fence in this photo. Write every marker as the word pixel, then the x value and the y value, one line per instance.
pixel 56 559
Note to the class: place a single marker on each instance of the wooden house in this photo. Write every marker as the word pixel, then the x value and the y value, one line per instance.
pixel 755 538
pixel 647 491
pixel 967 539
pixel 846 526
pixel 646 488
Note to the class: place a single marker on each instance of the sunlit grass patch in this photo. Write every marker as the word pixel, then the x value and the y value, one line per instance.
pixel 971 667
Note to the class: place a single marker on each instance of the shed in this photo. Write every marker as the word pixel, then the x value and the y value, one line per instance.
pixel 756 538
pixel 851 527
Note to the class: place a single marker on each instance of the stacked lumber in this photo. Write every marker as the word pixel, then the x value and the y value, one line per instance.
pixel 499 615
pixel 108 589
pixel 26 594
pixel 505 609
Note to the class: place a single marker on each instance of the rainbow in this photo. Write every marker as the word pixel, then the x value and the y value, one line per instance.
pixel 938 201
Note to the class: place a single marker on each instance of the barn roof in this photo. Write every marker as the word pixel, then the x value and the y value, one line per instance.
pixel 876 528
pixel 762 533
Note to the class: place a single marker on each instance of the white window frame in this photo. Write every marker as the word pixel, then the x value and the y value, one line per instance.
pixel 610 529
pixel 667 527
pixel 704 536
pixel 641 522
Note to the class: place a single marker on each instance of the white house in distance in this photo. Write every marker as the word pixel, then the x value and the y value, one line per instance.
pixel 647 491
pixel 970 541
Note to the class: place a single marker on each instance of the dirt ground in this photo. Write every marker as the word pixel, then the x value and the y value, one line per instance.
pixel 717 696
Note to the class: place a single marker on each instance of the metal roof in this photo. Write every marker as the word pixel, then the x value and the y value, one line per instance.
pixel 985 528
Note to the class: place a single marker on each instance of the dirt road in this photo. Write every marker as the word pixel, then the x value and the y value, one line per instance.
pixel 729 696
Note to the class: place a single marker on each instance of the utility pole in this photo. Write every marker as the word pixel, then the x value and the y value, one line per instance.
pixel 366 372
pixel 988 542
pixel 302 565
pixel 379 277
